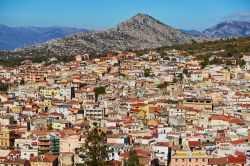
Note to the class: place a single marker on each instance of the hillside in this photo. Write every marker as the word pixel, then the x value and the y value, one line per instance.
pixel 140 32
pixel 17 37
pixel 228 29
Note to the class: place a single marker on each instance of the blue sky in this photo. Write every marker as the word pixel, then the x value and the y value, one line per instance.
pixel 103 14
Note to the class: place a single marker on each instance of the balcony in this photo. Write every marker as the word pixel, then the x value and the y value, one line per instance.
pixel 44 143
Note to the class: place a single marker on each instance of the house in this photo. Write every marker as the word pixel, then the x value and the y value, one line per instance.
pixel 161 150
pixel 70 143
pixel 188 158
pixel 60 124
pixel 199 103
pixel 7 137
pixel 44 160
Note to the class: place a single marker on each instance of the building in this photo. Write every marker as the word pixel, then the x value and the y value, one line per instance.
pixel 44 160
pixel 7 137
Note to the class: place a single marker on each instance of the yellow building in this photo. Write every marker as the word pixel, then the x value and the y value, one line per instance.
pixel 47 103
pixel 6 138
pixel 16 109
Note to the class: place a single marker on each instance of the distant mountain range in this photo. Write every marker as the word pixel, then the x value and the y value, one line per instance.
pixel 228 29
pixel 17 37
pixel 140 32
pixel 191 32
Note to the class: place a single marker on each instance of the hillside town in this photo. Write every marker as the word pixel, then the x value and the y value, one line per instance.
pixel 172 110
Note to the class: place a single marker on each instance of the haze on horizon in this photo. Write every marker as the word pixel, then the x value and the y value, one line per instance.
pixel 104 14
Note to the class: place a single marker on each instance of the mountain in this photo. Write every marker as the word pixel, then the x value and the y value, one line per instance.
pixel 228 29
pixel 16 37
pixel 191 32
pixel 140 32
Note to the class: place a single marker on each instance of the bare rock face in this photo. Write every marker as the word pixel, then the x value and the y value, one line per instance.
pixel 228 29
pixel 140 32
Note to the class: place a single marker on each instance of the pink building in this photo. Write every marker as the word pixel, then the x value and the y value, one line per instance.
pixel 70 142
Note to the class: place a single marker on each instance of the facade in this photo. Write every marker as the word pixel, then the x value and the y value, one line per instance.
pixel 6 138
pixel 171 110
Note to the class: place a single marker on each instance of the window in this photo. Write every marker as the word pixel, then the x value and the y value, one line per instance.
pixel 183 160
pixel 190 160
pixel 196 160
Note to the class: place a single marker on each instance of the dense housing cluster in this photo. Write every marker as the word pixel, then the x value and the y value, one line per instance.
pixel 173 110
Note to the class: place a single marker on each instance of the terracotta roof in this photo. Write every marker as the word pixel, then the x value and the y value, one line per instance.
pixel 166 144
pixel 44 158
pixel 240 141
pixel 194 143
pixel 236 160
pixel 217 161
pixel 229 119
pixel 148 137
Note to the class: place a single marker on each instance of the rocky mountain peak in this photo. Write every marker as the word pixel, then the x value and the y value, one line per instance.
pixel 140 32
pixel 138 21
pixel 228 29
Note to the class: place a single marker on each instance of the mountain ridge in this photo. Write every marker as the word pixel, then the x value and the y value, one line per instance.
pixel 228 29
pixel 140 32
pixel 22 36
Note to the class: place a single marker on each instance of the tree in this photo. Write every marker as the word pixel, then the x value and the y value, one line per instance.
pixel 99 90
pixel 95 151
pixel 49 126
pixel 185 71
pixel 3 87
pixel 146 72
pixel 180 76
pixel 228 62
pixel 162 86
pixel 205 62
pixel 241 63
pixel 216 61
pixel 22 82
pixel 133 159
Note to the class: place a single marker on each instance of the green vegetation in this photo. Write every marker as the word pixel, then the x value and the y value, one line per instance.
pixel 16 61
pixel 121 74
pixel 162 86
pixel 147 72
pixel 63 59
pixel 133 159
pixel 95 150
pixel 185 71
pixel 241 63
pixel 180 76
pixel 114 53
pixel 232 47
pixel 49 126
pixel 214 61
pixel 228 62
pixel 98 91
pixel 4 87
pixel 22 82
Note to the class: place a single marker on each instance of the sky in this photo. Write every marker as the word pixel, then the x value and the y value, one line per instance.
pixel 104 14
